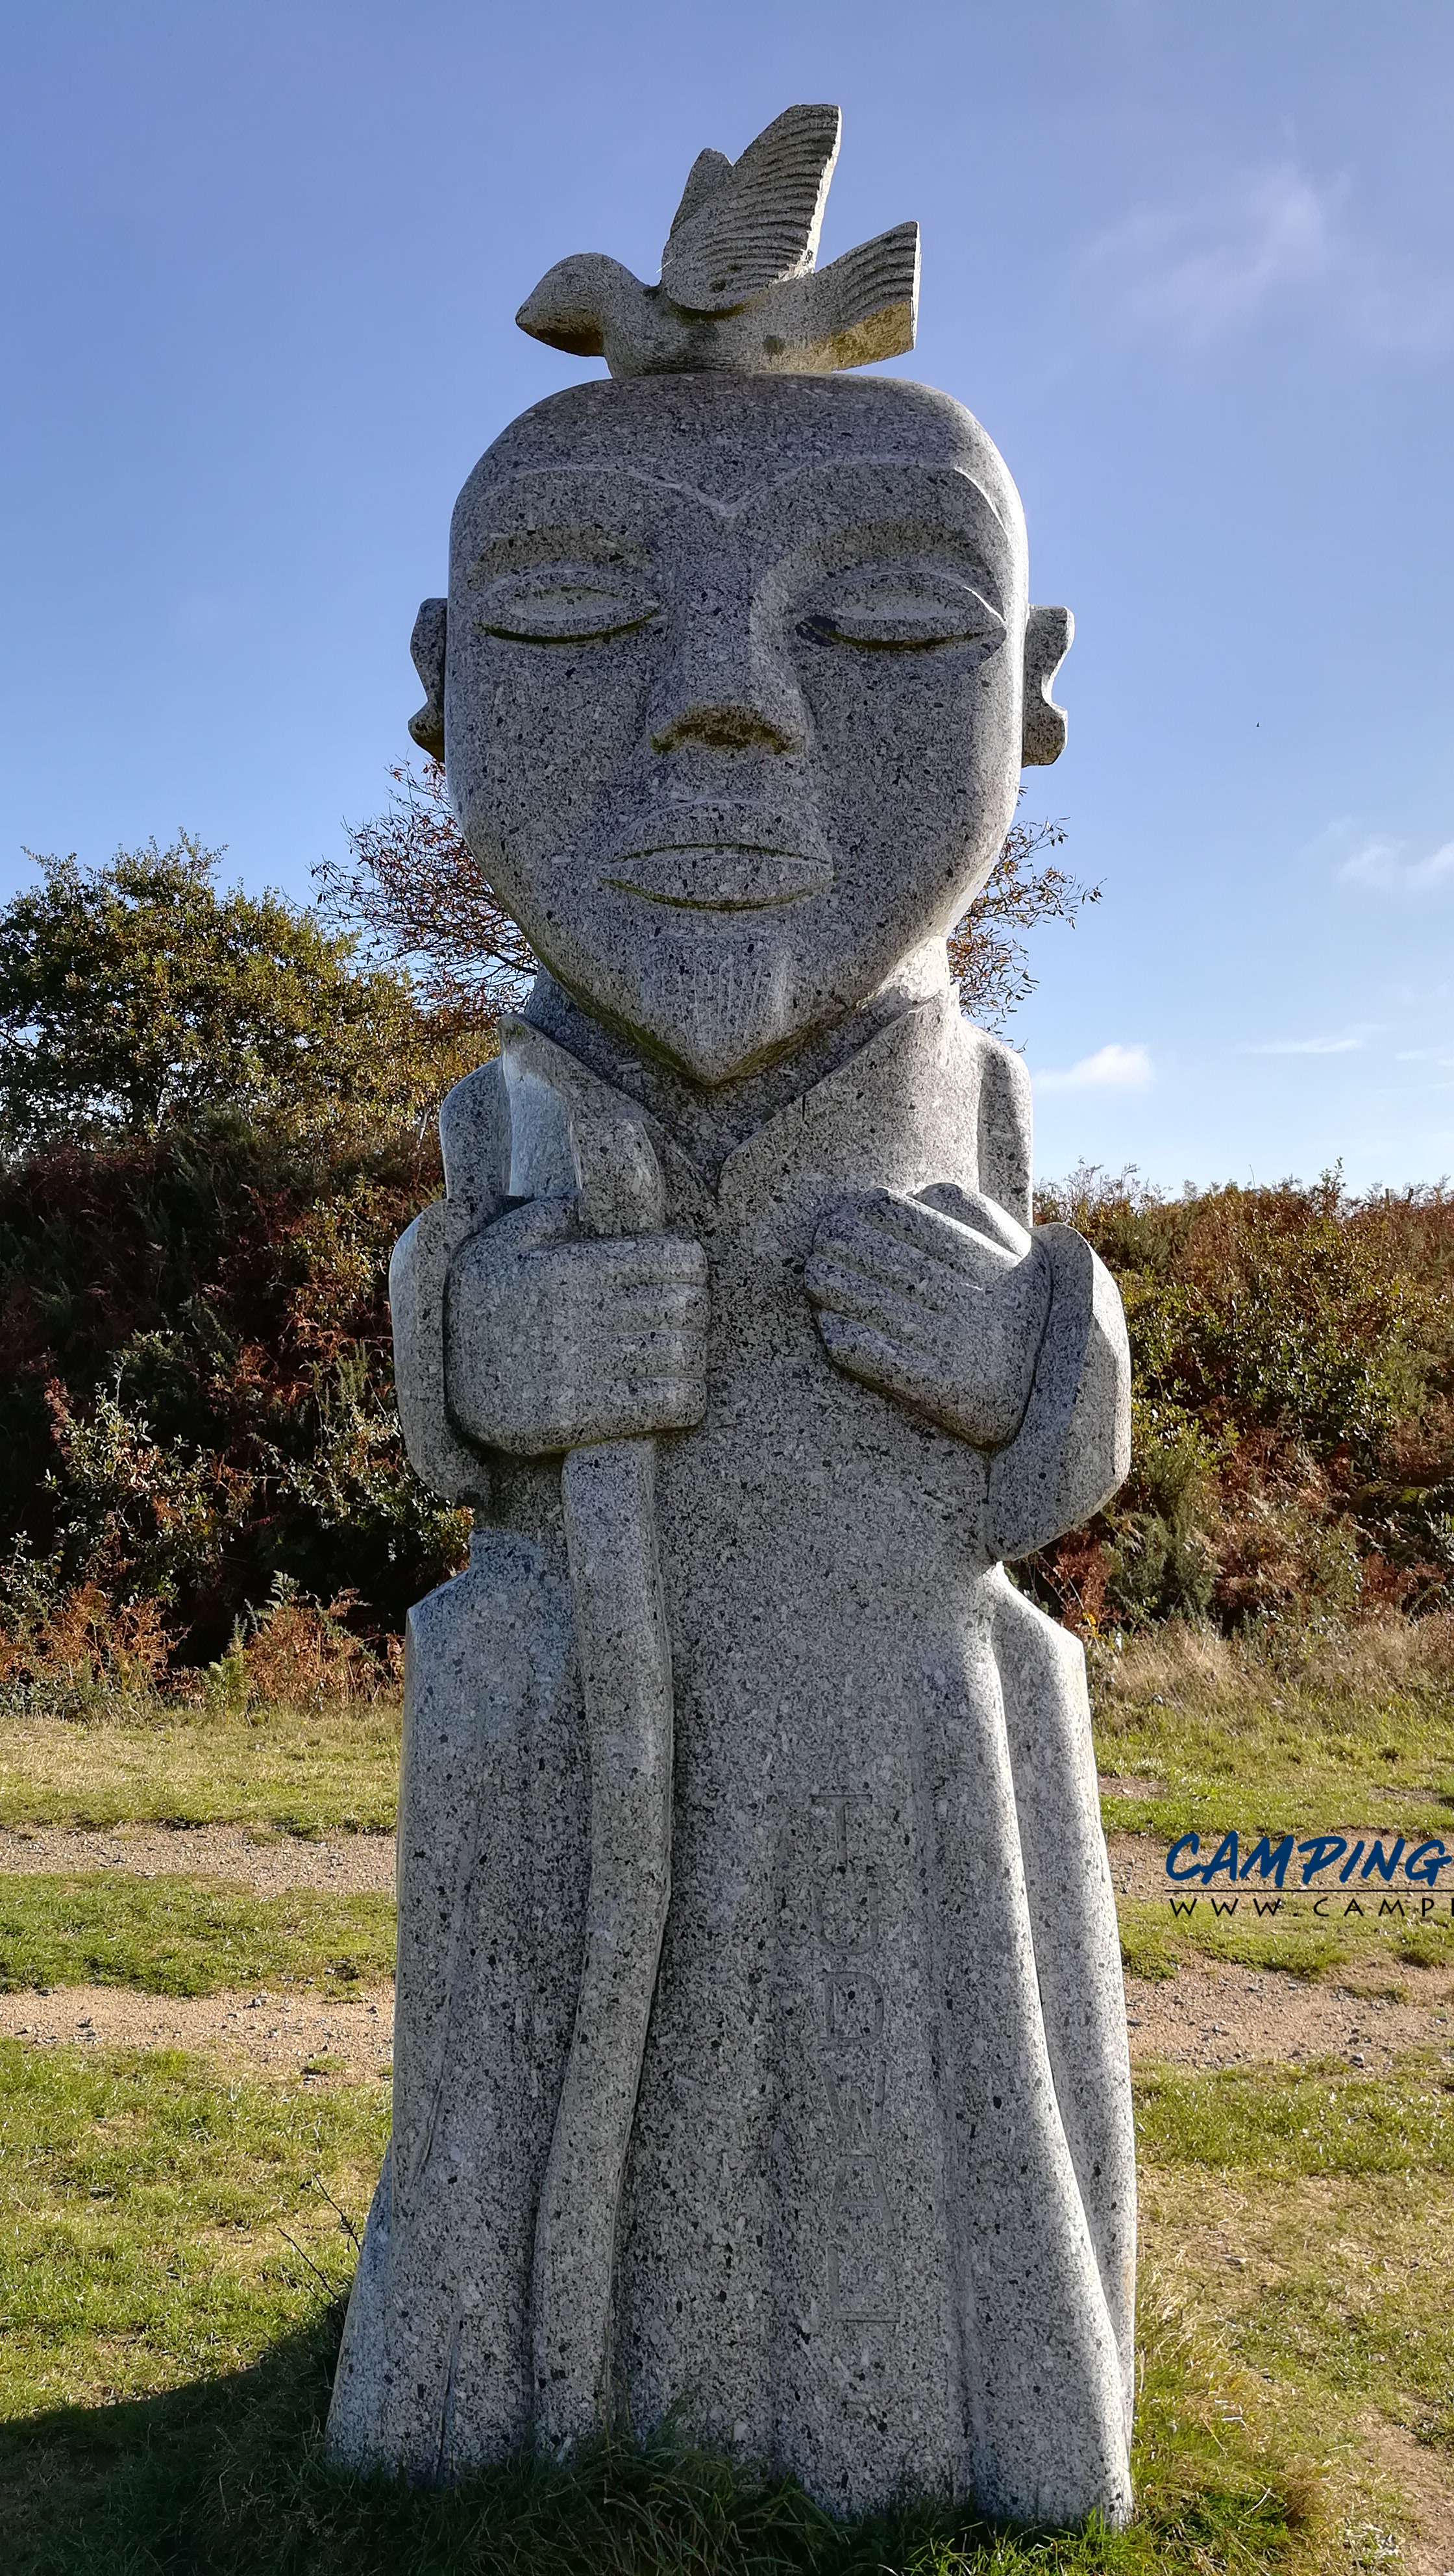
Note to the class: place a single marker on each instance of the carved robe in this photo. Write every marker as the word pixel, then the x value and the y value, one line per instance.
pixel 879 2201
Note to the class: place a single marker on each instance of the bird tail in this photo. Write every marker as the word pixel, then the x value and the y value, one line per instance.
pixel 869 298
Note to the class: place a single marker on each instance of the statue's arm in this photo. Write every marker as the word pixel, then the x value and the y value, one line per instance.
pixel 559 1314
pixel 474 1134
pixel 1073 1446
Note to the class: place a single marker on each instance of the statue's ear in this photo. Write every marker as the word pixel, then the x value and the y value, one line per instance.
pixel 1048 634
pixel 426 647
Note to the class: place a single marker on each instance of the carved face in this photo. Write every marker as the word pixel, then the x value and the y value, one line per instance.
pixel 733 696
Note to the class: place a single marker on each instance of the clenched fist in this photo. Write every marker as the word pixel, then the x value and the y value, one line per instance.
pixel 554 1339
pixel 943 1311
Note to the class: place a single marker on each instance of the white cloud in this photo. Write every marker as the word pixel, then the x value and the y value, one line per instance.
pixel 1111 1068
pixel 1382 864
pixel 1202 268
pixel 1305 1046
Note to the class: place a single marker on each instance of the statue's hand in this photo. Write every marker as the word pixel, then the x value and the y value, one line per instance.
pixel 555 1339
pixel 945 1312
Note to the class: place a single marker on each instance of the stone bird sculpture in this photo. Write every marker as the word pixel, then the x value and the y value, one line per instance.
pixel 739 294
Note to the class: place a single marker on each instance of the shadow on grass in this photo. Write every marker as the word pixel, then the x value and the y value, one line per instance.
pixel 227 2476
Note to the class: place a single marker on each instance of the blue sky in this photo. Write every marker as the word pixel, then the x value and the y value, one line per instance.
pixel 1191 261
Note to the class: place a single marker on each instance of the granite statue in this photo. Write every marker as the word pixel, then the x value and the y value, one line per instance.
pixel 760 2053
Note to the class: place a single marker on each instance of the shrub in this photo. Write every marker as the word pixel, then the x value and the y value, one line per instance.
pixel 60 1655
pixel 1293 1421
pixel 196 1390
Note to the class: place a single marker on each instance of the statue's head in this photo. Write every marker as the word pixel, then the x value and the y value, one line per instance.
pixel 738 674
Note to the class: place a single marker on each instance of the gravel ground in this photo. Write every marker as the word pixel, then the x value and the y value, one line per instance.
pixel 1210 2015
pixel 279 2034
pixel 363 1864
pixel 1205 2017
pixel 1222 2015
pixel 345 1865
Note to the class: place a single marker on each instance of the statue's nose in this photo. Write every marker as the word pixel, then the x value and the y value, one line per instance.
pixel 725 689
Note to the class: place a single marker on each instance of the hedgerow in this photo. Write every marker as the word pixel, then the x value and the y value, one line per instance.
pixel 1293 1412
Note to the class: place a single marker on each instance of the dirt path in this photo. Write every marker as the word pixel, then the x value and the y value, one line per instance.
pixel 1216 2014
pixel 1423 2482
pixel 1204 2017
pixel 344 1865
pixel 280 2034
pixel 348 1864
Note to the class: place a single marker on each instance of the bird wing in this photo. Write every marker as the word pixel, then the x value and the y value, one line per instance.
pixel 704 179
pixel 761 220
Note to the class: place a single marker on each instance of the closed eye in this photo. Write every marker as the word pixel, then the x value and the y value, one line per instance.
pixel 899 608
pixel 564 604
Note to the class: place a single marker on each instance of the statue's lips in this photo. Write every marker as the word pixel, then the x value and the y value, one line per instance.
pixel 717 877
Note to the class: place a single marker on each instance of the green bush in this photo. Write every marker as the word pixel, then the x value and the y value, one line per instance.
pixel 1293 1421
pixel 215 1120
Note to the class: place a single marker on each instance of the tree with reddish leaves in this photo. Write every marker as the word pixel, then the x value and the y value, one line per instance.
pixel 414 888
pixel 987 957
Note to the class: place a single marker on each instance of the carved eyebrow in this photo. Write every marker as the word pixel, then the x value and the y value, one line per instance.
pixel 873 490
pixel 880 550
pixel 505 550
pixel 941 475
pixel 604 487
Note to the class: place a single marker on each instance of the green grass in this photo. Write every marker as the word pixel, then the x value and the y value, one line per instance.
pixel 1282 2123
pixel 168 2265
pixel 302 1771
pixel 220 2482
pixel 146 2203
pixel 1155 1941
pixel 1294 1730
pixel 1354 1728
pixel 185 1936
pixel 1313 2217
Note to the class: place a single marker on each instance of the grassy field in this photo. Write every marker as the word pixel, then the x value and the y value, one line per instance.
pixel 174 2228
pixel 185 1936
pixel 173 2252
pixel 1307 1730
pixel 1368 1957
pixel 144 1761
